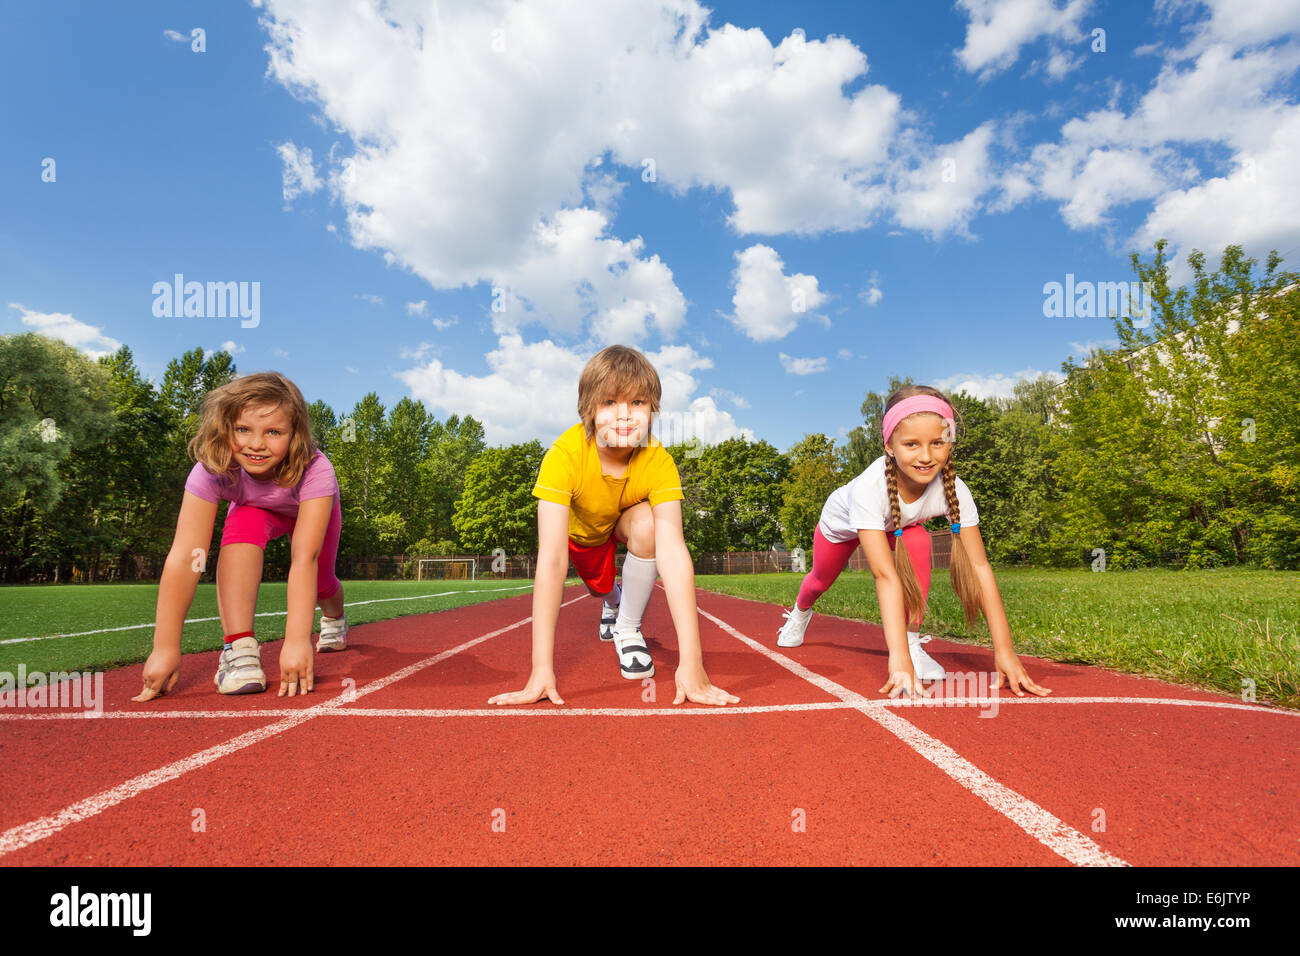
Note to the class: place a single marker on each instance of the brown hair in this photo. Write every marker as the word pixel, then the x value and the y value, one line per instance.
pixel 614 372
pixel 222 407
pixel 960 572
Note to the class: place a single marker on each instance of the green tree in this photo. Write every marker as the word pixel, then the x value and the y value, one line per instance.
pixel 361 464
pixel 1154 440
pixel 815 471
pixel 53 400
pixel 497 508
pixel 453 446
pixel 733 496
pixel 324 426
pixel 408 432
pixel 866 443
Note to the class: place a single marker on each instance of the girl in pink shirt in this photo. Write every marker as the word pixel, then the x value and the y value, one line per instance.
pixel 254 449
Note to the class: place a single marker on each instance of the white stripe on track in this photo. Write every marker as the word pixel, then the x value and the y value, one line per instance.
pixel 1044 827
pixel 946 704
pixel 26 834
pixel 205 620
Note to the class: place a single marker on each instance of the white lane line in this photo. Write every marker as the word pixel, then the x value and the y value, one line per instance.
pixel 1044 827
pixel 945 704
pixel 548 711
pixel 26 834
pixel 204 620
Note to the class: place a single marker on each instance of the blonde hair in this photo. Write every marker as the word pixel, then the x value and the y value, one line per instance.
pixel 222 407
pixel 613 372
pixel 961 573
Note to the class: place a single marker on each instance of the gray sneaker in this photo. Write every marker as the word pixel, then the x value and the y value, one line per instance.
pixel 240 670
pixel 333 633
pixel 608 618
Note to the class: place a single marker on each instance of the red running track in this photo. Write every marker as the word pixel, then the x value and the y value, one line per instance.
pixel 396 759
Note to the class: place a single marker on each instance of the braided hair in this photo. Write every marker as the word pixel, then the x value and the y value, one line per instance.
pixel 961 573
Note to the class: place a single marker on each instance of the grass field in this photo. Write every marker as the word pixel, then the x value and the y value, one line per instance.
pixel 45 609
pixel 1212 629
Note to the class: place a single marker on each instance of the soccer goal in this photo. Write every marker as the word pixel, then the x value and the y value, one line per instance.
pixel 447 569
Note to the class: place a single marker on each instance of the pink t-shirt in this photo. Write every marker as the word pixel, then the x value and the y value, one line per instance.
pixel 318 481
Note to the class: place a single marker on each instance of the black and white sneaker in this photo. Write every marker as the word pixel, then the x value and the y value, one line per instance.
pixel 608 618
pixel 634 660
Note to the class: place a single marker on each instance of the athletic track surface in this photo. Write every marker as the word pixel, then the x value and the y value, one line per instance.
pixel 410 766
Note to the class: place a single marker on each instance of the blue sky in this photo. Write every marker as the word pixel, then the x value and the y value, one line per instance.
pixel 669 176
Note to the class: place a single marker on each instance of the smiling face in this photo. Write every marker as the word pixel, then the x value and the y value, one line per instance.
pixel 920 447
pixel 260 439
pixel 622 422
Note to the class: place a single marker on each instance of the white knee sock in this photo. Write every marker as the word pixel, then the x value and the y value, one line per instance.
pixel 638 584
pixel 613 598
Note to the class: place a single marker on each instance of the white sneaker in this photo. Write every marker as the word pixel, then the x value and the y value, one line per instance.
pixel 925 666
pixel 240 669
pixel 634 661
pixel 796 622
pixel 608 618
pixel 333 633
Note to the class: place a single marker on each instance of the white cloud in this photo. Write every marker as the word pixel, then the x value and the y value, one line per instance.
pixel 872 294
pixel 1256 206
pixel 280 353
pixel 416 308
pixel 701 421
pixel 571 274
pixel 942 193
pixel 370 297
pixel 802 366
pixel 176 36
pixel 768 303
pixel 419 352
pixel 232 347
pixel 1083 349
pixel 845 353
pixel 531 391
pixel 1222 97
pixel 737 400
pixel 478 136
pixel 299 175
pixel 997 385
pixel 999 28
pixel 1237 24
pixel 443 324
pixel 62 326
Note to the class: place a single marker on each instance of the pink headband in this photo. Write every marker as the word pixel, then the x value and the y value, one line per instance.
pixel 910 406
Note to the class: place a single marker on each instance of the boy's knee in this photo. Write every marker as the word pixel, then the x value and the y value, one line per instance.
pixel 641 534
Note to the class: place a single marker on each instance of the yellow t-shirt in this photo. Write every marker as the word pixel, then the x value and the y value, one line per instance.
pixel 571 475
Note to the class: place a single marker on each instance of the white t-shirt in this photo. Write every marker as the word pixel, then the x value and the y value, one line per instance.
pixel 864 503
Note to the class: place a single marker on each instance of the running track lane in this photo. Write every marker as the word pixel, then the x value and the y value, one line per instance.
pixel 693 786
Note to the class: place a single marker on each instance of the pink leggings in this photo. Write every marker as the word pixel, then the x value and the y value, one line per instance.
pixel 830 557
pixel 246 524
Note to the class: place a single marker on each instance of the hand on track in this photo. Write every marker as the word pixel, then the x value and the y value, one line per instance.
pixel 161 672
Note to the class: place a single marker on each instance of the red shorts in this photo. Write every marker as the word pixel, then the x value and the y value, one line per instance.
pixel 595 564
pixel 246 524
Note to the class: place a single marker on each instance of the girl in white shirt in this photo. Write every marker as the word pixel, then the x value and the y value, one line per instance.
pixel 889 502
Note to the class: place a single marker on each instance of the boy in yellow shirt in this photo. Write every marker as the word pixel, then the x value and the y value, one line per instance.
pixel 606 480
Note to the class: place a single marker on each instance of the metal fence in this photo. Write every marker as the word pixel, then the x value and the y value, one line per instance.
pixel 394 567
pixel 767 562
